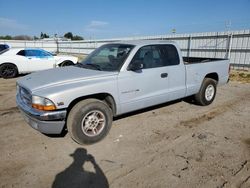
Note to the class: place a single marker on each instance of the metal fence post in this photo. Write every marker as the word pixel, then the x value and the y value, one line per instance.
pixel 216 45
pixel 57 46
pixel 189 46
pixel 229 45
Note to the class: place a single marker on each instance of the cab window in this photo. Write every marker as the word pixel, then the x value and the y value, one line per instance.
pixel 154 56
pixel 32 53
pixel 45 54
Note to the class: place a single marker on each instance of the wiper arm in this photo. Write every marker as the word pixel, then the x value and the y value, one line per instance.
pixel 78 65
pixel 94 65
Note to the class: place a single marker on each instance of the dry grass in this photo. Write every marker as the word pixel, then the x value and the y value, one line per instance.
pixel 240 76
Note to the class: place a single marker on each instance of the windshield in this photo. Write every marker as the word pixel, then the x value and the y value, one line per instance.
pixel 4 48
pixel 109 57
pixel 3 51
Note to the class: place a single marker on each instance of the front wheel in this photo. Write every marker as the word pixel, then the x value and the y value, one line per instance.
pixel 8 70
pixel 89 121
pixel 207 92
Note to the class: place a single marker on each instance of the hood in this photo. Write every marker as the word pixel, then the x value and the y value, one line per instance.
pixel 60 76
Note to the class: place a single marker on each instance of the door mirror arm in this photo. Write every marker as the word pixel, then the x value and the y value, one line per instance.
pixel 135 66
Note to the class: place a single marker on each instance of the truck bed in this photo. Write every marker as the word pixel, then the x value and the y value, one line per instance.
pixel 198 68
pixel 192 60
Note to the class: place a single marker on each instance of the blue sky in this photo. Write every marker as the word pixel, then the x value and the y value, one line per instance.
pixel 120 18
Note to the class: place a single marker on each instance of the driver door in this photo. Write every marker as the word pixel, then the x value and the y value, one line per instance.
pixel 161 79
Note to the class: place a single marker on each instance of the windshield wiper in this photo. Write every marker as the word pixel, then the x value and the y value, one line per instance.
pixel 78 65
pixel 94 65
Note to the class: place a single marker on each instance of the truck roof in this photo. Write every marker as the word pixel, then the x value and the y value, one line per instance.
pixel 145 42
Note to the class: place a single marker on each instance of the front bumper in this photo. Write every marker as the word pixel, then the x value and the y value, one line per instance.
pixel 51 122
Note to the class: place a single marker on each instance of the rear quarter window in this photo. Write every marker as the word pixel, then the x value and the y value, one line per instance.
pixel 21 52
pixel 169 55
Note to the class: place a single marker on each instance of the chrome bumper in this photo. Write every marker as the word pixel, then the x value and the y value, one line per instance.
pixel 45 122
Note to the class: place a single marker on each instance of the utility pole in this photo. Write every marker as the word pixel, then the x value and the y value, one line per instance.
pixel 228 25
pixel 57 43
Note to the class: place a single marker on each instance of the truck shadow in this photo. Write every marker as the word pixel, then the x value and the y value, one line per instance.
pixel 189 100
pixel 76 176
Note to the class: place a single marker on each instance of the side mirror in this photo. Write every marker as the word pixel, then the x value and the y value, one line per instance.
pixel 135 65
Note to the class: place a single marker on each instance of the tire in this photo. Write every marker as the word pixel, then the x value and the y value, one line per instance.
pixel 66 63
pixel 8 70
pixel 87 113
pixel 207 92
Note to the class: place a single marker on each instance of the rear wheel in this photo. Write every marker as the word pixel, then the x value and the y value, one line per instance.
pixel 8 70
pixel 89 121
pixel 66 63
pixel 207 92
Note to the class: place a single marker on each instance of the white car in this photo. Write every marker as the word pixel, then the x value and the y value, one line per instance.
pixel 20 61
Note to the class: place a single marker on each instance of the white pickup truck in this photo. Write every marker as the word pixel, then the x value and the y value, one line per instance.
pixel 115 79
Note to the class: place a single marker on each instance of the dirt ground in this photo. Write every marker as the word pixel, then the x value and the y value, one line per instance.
pixel 173 145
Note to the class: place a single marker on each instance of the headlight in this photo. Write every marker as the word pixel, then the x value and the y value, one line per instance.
pixel 42 103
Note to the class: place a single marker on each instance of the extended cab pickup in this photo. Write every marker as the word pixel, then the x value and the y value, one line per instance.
pixel 115 79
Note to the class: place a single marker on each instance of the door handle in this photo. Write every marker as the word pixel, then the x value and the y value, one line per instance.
pixel 164 75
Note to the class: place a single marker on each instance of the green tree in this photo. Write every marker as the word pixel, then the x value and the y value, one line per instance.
pixel 43 35
pixel 68 35
pixel 22 37
pixel 6 37
pixel 77 37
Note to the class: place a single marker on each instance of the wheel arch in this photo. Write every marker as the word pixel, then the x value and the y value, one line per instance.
pixel 105 97
pixel 65 61
pixel 213 76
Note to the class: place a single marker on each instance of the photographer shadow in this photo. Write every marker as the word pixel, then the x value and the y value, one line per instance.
pixel 75 176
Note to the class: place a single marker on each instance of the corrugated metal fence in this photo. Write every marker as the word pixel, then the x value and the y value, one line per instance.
pixel 234 45
pixel 50 46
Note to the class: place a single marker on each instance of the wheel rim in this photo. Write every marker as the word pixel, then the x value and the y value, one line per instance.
pixel 93 123
pixel 64 64
pixel 209 93
pixel 7 71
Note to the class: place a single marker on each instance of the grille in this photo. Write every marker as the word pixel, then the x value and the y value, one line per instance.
pixel 25 96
